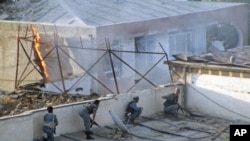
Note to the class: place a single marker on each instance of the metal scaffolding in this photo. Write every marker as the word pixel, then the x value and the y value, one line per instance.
pixel 108 51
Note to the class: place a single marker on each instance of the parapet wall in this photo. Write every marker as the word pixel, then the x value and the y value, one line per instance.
pixel 27 126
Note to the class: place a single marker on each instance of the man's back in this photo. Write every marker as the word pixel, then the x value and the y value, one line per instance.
pixel 50 120
pixel 130 108
pixel 170 99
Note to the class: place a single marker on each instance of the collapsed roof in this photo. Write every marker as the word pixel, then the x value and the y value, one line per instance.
pixel 237 57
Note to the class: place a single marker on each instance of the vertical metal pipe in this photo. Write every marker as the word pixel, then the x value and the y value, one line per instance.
pixel 17 56
pixel 59 61
pixel 167 61
pixel 142 76
pixel 60 68
pixel 22 77
pixel 87 72
pixel 112 64
pixel 147 73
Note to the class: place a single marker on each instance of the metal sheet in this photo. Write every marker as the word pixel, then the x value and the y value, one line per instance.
pixel 118 121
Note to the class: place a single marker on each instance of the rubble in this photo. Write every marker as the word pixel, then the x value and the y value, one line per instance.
pixel 29 97
pixel 24 100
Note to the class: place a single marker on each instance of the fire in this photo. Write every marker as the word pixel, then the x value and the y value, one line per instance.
pixel 36 45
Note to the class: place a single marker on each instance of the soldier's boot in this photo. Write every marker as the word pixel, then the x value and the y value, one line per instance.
pixel 88 137
pixel 90 132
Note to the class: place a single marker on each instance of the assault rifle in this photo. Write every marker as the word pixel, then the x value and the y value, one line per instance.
pixel 183 109
pixel 93 123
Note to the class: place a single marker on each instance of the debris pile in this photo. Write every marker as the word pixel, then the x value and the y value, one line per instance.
pixel 25 100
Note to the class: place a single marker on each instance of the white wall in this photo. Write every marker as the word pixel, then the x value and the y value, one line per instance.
pixel 28 126
pixel 219 96
pixel 16 128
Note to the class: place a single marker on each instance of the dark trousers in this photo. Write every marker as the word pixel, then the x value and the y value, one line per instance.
pixel 136 114
pixel 50 133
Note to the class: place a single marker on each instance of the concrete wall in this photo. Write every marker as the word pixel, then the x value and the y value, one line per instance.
pixel 28 126
pixel 15 49
pixel 219 96
pixel 96 37
pixel 160 73
pixel 161 28
pixel 178 22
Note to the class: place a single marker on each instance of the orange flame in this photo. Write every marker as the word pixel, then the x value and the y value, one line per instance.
pixel 36 45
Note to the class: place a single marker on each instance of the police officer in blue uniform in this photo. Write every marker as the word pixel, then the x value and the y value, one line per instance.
pixel 85 114
pixel 50 123
pixel 171 105
pixel 133 111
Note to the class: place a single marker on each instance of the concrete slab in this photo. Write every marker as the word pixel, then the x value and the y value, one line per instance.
pixel 78 136
pixel 61 138
pixel 160 128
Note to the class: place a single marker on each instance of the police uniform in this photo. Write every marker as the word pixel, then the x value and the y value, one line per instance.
pixel 133 110
pixel 85 114
pixel 170 105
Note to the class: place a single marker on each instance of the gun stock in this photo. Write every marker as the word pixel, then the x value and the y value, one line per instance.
pixel 94 123
pixel 183 109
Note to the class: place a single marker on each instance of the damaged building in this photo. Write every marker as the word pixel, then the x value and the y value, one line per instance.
pixel 130 48
pixel 107 46
pixel 218 80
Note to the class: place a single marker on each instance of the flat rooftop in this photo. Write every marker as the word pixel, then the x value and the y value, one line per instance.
pixel 160 127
